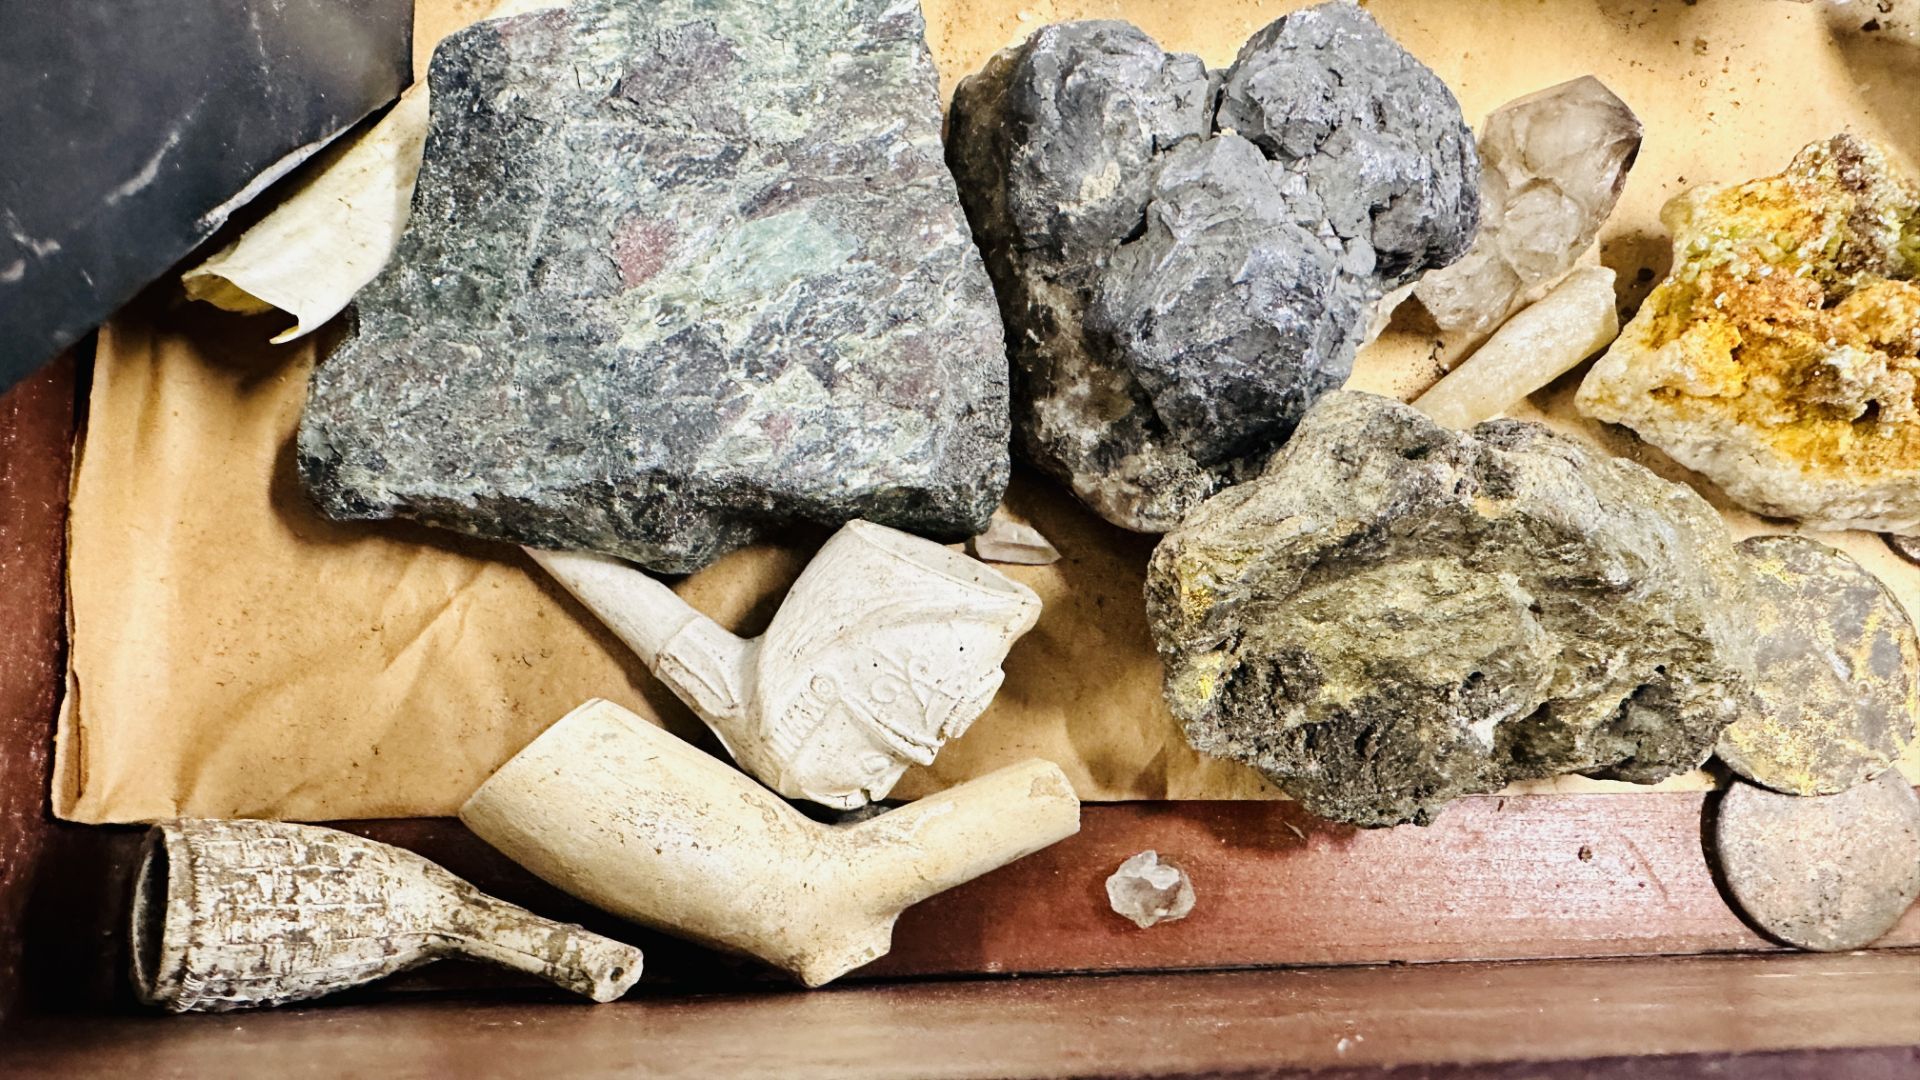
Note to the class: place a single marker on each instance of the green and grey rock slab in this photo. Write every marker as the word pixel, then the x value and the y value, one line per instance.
pixel 1395 615
pixel 678 274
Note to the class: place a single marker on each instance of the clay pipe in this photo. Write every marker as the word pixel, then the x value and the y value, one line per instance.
pixel 886 647
pixel 239 914
pixel 631 819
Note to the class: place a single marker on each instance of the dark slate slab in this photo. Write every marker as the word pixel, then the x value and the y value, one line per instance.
pixel 132 129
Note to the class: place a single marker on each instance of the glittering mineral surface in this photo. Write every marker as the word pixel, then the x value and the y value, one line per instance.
pixel 1186 260
pixel 1395 614
pixel 1780 357
pixel 1552 165
pixel 678 273
pixel 1837 684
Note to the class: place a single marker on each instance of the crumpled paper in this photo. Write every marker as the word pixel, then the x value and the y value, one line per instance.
pixel 234 654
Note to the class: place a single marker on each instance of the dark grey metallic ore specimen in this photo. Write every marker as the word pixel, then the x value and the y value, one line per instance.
pixel 1395 615
pixel 1186 261
pixel 678 272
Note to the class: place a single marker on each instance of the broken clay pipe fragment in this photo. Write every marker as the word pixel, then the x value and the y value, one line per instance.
pixel 886 647
pixel 1543 342
pixel 631 819
pixel 240 914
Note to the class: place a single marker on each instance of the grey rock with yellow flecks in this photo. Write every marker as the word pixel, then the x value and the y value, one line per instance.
pixel 1395 615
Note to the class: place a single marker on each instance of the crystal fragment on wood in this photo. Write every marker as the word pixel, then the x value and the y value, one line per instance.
pixel 1148 890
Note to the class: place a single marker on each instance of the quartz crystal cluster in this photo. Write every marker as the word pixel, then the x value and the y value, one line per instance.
pixel 1148 890
pixel 1186 259
pixel 1780 357
pixel 1394 615
pixel 677 273
pixel 1552 165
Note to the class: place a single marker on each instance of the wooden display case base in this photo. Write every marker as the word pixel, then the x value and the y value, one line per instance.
pixel 1834 1017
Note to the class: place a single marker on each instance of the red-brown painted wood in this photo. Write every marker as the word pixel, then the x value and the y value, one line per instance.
pixel 36 439
pixel 1746 1017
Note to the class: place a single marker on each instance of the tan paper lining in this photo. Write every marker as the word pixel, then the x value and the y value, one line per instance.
pixel 234 654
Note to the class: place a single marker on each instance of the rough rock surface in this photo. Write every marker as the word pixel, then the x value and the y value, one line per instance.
pixel 1781 356
pixel 1552 165
pixel 1394 615
pixel 677 273
pixel 1186 261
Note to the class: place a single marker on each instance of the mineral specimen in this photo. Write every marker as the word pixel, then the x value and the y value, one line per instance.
pixel 1008 541
pixel 1185 261
pixel 1148 890
pixel 1779 358
pixel 1837 684
pixel 677 273
pixel 1394 615
pixel 1552 166
pixel 1829 872
pixel 1540 344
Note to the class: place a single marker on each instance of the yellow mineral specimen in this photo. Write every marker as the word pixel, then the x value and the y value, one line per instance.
pixel 1780 356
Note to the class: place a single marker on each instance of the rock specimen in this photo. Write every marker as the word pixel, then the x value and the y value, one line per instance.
pixel 1827 872
pixel 1837 683
pixel 239 914
pixel 1394 615
pixel 1186 260
pixel 1552 165
pixel 634 820
pixel 1779 358
pixel 676 273
pixel 886 647
pixel 1148 891
pixel 1540 344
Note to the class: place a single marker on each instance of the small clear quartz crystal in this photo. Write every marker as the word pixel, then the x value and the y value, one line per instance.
pixel 1149 891
pixel 1008 541
pixel 1551 167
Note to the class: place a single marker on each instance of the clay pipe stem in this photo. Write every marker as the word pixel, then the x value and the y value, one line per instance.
pixel 938 842
pixel 505 934
pixel 640 611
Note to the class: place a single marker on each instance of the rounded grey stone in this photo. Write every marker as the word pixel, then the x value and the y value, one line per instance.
pixel 1824 872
